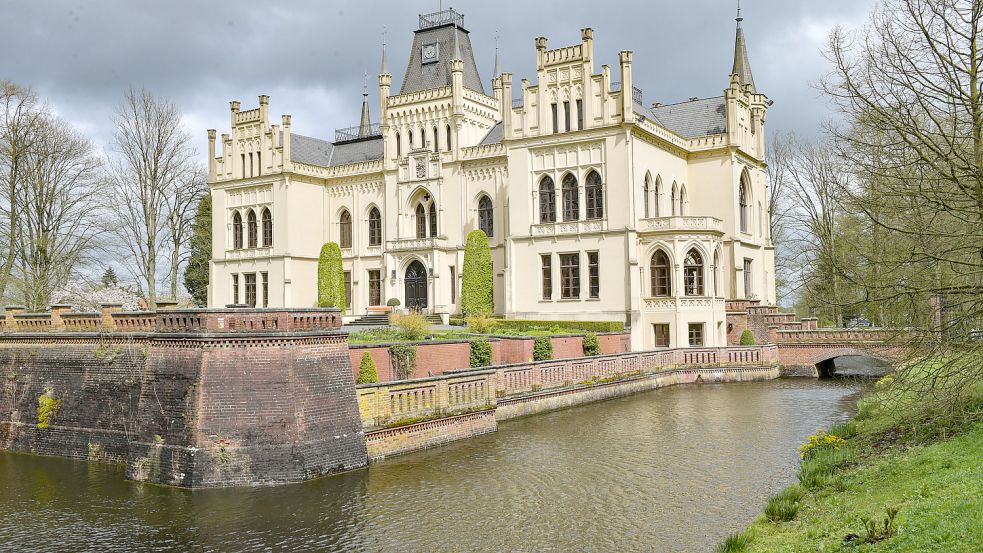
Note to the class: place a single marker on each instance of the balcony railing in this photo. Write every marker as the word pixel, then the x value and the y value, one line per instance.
pixel 569 227
pixel 408 244
pixel 661 224
pixel 687 303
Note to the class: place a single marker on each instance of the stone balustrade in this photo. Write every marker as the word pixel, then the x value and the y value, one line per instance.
pixel 465 389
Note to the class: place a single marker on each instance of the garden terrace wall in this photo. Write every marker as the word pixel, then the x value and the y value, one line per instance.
pixel 382 403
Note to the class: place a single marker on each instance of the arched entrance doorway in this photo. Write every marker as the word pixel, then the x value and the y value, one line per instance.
pixel 416 286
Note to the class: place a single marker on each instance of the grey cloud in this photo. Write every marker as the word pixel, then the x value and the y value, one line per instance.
pixel 311 55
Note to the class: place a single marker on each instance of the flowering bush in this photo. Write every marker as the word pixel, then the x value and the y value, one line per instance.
pixel 819 441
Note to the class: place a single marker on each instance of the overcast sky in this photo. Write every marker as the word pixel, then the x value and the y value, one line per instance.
pixel 310 56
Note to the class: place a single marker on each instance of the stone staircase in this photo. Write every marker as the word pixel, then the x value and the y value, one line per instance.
pixel 764 321
pixel 382 319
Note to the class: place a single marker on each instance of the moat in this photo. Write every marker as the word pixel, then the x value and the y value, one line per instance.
pixel 674 469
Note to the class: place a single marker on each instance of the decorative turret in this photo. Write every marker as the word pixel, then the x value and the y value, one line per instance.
pixel 742 67
pixel 365 124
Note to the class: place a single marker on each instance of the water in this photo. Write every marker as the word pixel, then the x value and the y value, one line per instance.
pixel 669 470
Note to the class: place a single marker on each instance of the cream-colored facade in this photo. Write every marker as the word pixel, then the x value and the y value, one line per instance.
pixel 657 213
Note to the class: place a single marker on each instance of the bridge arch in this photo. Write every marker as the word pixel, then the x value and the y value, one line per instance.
pixel 818 359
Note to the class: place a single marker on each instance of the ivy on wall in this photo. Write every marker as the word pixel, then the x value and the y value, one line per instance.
pixel 477 287
pixel 331 278
pixel 481 353
pixel 403 358
pixel 542 349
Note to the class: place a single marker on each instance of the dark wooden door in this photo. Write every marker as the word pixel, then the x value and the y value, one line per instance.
pixel 416 286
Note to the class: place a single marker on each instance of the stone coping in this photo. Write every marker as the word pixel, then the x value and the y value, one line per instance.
pixel 444 376
pixel 154 335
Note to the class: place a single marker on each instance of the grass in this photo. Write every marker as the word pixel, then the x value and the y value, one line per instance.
pixel 908 478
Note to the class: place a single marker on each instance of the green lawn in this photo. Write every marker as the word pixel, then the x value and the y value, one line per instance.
pixel 902 451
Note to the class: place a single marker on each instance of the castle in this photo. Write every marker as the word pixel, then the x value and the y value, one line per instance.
pixel 597 204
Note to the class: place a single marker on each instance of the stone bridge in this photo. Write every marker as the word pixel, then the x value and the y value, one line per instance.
pixel 803 348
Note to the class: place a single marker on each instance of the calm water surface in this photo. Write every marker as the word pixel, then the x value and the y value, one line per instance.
pixel 669 470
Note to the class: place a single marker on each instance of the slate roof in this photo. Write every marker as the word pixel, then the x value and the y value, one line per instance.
pixel 434 75
pixel 690 119
pixel 314 151
pixel 494 135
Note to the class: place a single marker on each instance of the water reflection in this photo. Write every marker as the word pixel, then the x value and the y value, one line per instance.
pixel 670 470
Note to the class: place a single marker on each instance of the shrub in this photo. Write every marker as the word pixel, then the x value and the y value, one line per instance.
pixel 477 292
pixel 367 373
pixel 413 325
pixel 819 440
pixel 481 353
pixel 481 324
pixel 542 349
pixel 392 302
pixel 331 278
pixel 784 506
pixel 735 543
pixel 747 337
pixel 592 346
pixel 403 359
pixel 48 406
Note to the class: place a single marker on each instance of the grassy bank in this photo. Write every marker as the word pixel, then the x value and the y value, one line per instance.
pixel 904 475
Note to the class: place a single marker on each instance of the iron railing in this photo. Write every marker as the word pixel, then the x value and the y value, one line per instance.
pixel 356 133
pixel 444 17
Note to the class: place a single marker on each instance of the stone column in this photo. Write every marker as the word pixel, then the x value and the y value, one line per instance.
pixel 57 311
pixel 107 314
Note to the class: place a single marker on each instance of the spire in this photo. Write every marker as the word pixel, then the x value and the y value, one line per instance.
pixel 742 67
pixel 496 72
pixel 457 45
pixel 365 124
pixel 385 60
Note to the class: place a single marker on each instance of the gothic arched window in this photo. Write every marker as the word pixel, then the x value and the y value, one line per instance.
pixel 448 138
pixel 267 228
pixel 345 228
pixel 433 219
pixel 486 216
pixel 658 195
pixel 675 200
pixel 693 273
pixel 237 231
pixel 375 227
pixel 646 192
pixel 594 190
pixel 399 146
pixel 547 200
pixel 743 202
pixel 421 221
pixel 253 233
pixel 571 198
pixel 660 274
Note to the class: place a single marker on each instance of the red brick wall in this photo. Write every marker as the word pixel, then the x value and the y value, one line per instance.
pixel 615 343
pixel 514 350
pixel 737 323
pixel 431 358
pixel 379 354
pixel 566 347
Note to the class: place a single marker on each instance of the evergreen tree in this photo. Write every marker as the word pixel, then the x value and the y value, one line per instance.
pixel 477 287
pixel 196 272
pixel 109 278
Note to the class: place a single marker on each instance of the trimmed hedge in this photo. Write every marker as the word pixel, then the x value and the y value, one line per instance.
pixel 331 278
pixel 542 349
pixel 367 373
pixel 481 353
pixel 592 346
pixel 593 326
pixel 477 286
pixel 747 337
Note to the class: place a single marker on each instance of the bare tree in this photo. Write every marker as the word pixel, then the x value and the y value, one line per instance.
pixel 910 85
pixel 58 210
pixel 180 207
pixel 780 160
pixel 152 154
pixel 21 113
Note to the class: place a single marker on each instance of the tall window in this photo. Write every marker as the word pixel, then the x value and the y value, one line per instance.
pixel 486 216
pixel 251 225
pixel 716 269
pixel 571 198
pixel 453 284
pixel 693 273
pixel 556 119
pixel 593 275
pixel 696 335
pixel 580 114
pixel 436 142
pixel 375 287
pixel 658 196
pixel 235 289
pixel 250 289
pixel 646 190
pixel 267 228
pixel 569 275
pixel 547 201
pixel 659 269
pixel 348 290
pixel 375 227
pixel 409 136
pixel 661 335
pixel 448 138
pixel 433 219
pixel 594 191
pixel 237 231
pixel 566 116
pixel 251 165
pixel 743 201
pixel 547 271
pixel 748 279
pixel 399 146
pixel 345 227
pixel 266 289
pixel 675 200
pixel 683 201
pixel 421 221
